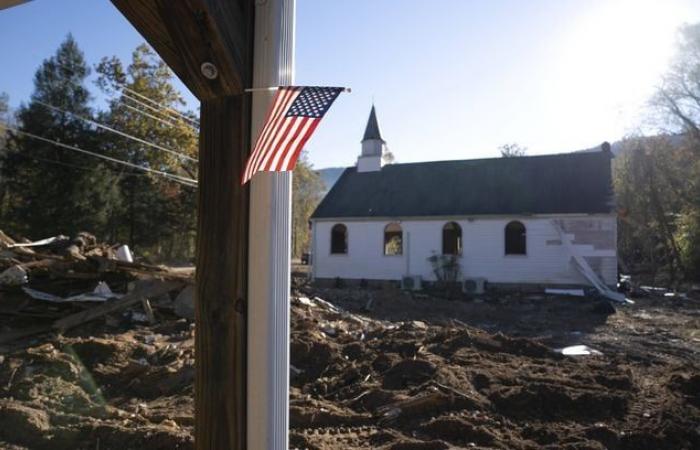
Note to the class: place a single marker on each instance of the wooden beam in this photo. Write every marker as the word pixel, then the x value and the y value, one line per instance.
pixel 188 33
pixel 222 270
pixel 144 15
pixel 4 4
pixel 143 290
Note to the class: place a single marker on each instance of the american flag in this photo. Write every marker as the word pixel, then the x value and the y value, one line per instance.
pixel 293 116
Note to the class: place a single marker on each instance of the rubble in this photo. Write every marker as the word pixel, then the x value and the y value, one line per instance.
pixel 184 303
pixel 60 278
pixel 425 374
pixel 414 371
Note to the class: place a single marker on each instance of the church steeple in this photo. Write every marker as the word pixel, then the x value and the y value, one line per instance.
pixel 372 129
pixel 371 158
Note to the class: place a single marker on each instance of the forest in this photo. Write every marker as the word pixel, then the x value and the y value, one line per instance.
pixel 125 172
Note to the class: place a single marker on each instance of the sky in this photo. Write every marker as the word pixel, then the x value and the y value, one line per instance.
pixel 453 79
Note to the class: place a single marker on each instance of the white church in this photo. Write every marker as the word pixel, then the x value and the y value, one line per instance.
pixel 547 220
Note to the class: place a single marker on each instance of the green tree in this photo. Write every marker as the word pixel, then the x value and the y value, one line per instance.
pixel 159 214
pixel 308 188
pixel 657 179
pixel 4 117
pixel 646 180
pixel 50 189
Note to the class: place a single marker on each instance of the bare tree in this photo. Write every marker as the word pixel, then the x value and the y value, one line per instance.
pixel 678 98
pixel 512 150
pixel 388 157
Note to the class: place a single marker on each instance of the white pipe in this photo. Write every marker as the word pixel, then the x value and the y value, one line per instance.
pixel 269 248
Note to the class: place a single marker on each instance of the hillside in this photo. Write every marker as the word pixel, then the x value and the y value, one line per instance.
pixel 330 175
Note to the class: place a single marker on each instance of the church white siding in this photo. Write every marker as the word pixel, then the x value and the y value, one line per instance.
pixel 546 262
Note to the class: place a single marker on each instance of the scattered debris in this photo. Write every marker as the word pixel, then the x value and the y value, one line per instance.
pixel 101 293
pixel 14 276
pixel 305 301
pixel 60 282
pixel 148 310
pixel 123 253
pixel 415 372
pixel 585 269
pixel 654 290
pixel 578 350
pixel 429 375
pixel 184 303
pixel 39 243
pixel 571 292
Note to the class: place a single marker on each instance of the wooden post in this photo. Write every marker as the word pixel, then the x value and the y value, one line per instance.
pixel 209 46
pixel 222 263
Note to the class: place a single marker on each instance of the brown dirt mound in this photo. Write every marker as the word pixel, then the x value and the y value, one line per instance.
pixel 405 376
pixel 458 431
pixel 688 385
pixel 554 402
pixel 407 373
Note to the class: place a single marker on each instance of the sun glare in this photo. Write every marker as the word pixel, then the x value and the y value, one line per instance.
pixel 613 58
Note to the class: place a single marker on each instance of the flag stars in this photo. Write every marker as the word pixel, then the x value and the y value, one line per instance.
pixel 313 102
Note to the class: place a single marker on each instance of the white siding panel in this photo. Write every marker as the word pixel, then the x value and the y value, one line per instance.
pixel 546 262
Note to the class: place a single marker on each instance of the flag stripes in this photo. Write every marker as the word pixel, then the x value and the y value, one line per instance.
pixel 293 116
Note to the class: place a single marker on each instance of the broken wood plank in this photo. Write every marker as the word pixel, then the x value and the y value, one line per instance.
pixel 148 310
pixel 143 290
pixel 150 288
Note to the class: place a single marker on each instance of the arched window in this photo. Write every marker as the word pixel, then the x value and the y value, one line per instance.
pixel 451 239
pixel 393 239
pixel 339 239
pixel 516 242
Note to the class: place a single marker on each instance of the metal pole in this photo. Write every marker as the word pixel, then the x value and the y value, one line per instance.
pixel 269 250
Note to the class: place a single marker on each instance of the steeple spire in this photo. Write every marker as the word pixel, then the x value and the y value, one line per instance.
pixel 372 129
pixel 373 146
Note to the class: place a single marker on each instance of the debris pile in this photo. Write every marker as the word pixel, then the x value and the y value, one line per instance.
pixel 92 351
pixel 66 282
pixel 370 369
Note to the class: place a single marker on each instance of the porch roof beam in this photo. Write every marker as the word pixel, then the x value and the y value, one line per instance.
pixel 189 33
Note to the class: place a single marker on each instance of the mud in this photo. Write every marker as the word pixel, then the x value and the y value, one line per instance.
pixel 415 372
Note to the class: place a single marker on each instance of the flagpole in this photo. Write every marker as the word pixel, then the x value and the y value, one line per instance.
pixel 274 88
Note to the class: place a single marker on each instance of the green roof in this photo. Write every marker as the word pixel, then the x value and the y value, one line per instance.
pixel 548 184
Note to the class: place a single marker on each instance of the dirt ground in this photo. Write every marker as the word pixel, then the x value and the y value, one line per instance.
pixel 412 371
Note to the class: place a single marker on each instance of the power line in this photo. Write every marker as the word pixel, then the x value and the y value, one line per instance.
pixel 159 105
pixel 147 106
pixel 123 88
pixel 183 180
pixel 91 169
pixel 157 111
pixel 121 133
pixel 145 114
pixel 77 167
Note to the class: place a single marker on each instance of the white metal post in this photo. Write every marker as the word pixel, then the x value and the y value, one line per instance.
pixel 270 237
